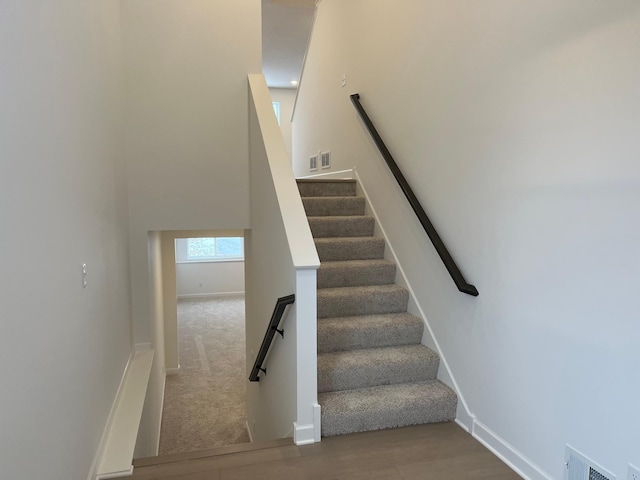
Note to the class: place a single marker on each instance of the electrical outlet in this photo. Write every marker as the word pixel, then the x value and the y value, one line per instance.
pixel 634 473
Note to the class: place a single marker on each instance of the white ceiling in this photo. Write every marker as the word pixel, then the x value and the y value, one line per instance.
pixel 285 31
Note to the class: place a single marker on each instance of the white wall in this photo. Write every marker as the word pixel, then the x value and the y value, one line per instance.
pixel 209 278
pixel 517 128
pixel 63 348
pixel 286 97
pixel 186 144
pixel 186 63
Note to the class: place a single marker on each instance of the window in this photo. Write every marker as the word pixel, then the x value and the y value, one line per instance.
pixel 212 249
pixel 276 108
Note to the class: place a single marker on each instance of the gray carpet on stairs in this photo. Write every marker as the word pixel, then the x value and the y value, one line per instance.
pixel 386 406
pixel 373 371
pixel 344 248
pixel 327 188
pixel 376 366
pixel 353 273
pixel 342 226
pixel 365 300
pixel 325 206
pixel 368 331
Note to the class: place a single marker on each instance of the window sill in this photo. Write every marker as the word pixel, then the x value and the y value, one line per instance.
pixel 220 260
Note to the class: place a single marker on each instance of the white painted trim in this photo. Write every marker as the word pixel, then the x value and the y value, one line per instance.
pixel 463 426
pixel 512 457
pixel 304 59
pixel 304 434
pixel 466 413
pixel 105 433
pixel 164 385
pixel 123 473
pixel 117 456
pixel 317 420
pixel 187 296
pixel 296 226
pixel 246 425
pixel 341 174
pixel 172 371
pixel 306 422
pixel 142 347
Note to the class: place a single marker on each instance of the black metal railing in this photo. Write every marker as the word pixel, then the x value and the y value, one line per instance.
pixel 272 329
pixel 446 257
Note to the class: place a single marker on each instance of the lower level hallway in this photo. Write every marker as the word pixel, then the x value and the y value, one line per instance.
pixel 205 404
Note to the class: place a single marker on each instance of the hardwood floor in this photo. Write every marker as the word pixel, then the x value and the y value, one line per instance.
pixel 427 452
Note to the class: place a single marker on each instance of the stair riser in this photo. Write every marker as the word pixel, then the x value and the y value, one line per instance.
pixel 365 304
pixel 343 249
pixel 323 227
pixel 336 339
pixel 327 189
pixel 412 408
pixel 373 373
pixel 356 276
pixel 336 375
pixel 331 206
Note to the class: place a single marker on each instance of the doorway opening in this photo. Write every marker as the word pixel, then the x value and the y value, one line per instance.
pixel 206 386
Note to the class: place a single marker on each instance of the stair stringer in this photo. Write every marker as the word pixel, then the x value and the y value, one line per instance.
pixel 464 417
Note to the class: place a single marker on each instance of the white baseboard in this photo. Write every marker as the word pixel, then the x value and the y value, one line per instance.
pixel 464 419
pixel 105 432
pixel 447 375
pixel 317 420
pixel 117 454
pixel 164 385
pixel 517 461
pixel 246 424
pixel 186 296
pixel 172 371
pixel 304 434
pixel 124 473
pixel 142 347
pixel 339 175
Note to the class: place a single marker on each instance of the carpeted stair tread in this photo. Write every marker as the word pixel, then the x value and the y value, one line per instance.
pixel 368 331
pixel 326 188
pixel 349 248
pixel 388 406
pixel 330 206
pixel 365 300
pixel 342 226
pixel 376 366
pixel 373 371
pixel 353 273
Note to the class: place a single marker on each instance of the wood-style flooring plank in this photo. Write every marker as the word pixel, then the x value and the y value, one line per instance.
pixel 426 452
pixel 211 452
pixel 212 464
pixel 472 465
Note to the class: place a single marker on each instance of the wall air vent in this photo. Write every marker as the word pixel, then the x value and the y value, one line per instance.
pixel 325 159
pixel 313 163
pixel 580 467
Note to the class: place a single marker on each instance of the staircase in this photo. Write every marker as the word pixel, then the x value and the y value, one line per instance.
pixel 373 372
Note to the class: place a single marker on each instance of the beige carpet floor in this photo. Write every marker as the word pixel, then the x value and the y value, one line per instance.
pixel 205 405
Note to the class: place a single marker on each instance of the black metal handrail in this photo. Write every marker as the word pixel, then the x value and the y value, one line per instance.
pixel 446 257
pixel 276 316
